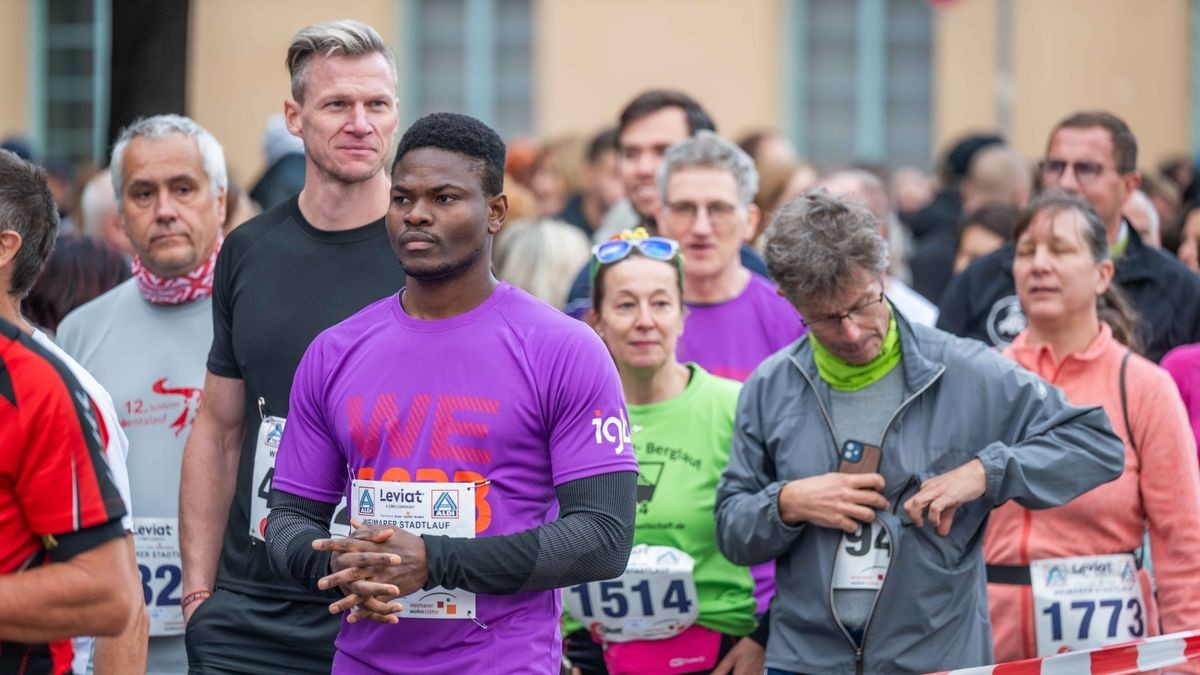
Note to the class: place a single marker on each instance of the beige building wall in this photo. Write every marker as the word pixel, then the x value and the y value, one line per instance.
pixel 964 63
pixel 1132 58
pixel 591 58
pixel 236 74
pixel 14 113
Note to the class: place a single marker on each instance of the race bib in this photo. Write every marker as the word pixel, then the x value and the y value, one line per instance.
pixel 863 558
pixel 1085 602
pixel 270 432
pixel 156 544
pixel 654 599
pixel 435 508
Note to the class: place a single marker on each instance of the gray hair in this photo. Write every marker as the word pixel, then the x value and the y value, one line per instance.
pixel 816 244
pixel 345 37
pixel 709 150
pixel 212 156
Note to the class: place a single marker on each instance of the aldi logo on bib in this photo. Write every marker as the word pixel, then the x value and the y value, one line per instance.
pixel 274 435
pixel 1055 577
pixel 445 503
pixel 366 501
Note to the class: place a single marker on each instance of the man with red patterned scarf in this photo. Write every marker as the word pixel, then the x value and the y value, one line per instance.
pixel 147 340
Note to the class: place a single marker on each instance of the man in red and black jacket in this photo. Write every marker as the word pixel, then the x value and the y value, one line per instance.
pixel 65 569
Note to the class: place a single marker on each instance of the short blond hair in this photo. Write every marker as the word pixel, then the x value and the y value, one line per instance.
pixel 344 37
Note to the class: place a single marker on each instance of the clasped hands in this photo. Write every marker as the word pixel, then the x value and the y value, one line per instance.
pixel 373 566
pixel 843 500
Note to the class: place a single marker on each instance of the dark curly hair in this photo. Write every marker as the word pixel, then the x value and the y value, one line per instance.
pixel 463 135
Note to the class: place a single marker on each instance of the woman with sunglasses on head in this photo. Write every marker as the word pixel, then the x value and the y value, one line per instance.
pixel 1071 577
pixel 681 607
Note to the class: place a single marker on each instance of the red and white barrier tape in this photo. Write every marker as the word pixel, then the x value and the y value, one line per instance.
pixel 1162 651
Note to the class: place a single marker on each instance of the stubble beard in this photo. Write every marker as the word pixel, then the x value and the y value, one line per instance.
pixel 447 271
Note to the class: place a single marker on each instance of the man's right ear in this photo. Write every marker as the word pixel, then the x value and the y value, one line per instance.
pixel 291 117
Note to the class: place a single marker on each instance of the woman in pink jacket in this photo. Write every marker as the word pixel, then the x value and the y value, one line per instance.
pixel 1073 577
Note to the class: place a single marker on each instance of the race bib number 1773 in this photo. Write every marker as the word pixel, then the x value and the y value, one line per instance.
pixel 1085 602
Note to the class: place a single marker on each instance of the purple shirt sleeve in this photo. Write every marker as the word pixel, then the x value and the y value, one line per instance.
pixel 309 463
pixel 585 413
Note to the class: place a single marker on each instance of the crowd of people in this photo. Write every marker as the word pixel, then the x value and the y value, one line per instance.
pixel 659 401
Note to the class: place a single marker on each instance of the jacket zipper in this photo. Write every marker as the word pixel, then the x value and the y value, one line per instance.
pixel 871 614
pixel 832 608
pixel 859 648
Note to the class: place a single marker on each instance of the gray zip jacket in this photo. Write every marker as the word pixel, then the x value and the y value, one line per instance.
pixel 962 401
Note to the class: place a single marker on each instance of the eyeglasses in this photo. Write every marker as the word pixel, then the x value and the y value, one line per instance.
pixel 1085 172
pixel 719 213
pixel 833 321
pixel 655 248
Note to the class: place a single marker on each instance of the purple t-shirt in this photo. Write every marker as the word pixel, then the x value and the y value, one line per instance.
pixel 731 338
pixel 505 392
pixel 1183 363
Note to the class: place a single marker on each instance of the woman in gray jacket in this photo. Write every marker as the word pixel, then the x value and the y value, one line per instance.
pixel 849 440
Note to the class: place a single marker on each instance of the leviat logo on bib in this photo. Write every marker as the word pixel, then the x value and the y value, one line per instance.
pixel 440 508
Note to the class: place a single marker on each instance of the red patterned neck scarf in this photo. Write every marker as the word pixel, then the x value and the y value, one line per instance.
pixel 194 285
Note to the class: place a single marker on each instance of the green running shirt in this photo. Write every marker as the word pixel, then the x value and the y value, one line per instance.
pixel 682 447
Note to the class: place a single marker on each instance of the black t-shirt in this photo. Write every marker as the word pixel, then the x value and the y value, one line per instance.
pixel 280 282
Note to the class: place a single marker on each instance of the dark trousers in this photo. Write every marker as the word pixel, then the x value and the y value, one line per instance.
pixel 236 633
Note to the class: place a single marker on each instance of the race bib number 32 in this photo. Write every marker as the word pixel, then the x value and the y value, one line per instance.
pixel 437 508
pixel 156 543
pixel 1085 602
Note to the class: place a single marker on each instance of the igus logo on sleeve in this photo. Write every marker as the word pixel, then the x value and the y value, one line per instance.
pixel 612 430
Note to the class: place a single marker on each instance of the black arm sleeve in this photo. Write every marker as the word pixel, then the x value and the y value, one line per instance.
pixel 590 540
pixel 292 526
pixel 762 631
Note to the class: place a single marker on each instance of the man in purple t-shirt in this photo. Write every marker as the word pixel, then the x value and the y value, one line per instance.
pixel 735 318
pixel 478 434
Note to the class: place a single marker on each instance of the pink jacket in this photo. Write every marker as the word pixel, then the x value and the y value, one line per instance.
pixel 1183 363
pixel 1159 488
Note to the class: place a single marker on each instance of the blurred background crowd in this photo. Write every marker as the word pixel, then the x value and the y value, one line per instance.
pixel 945 102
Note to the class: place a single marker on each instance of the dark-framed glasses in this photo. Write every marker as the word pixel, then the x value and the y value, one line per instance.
pixel 1085 172
pixel 854 314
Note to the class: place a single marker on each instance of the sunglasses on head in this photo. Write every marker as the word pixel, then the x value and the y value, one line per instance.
pixel 655 248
